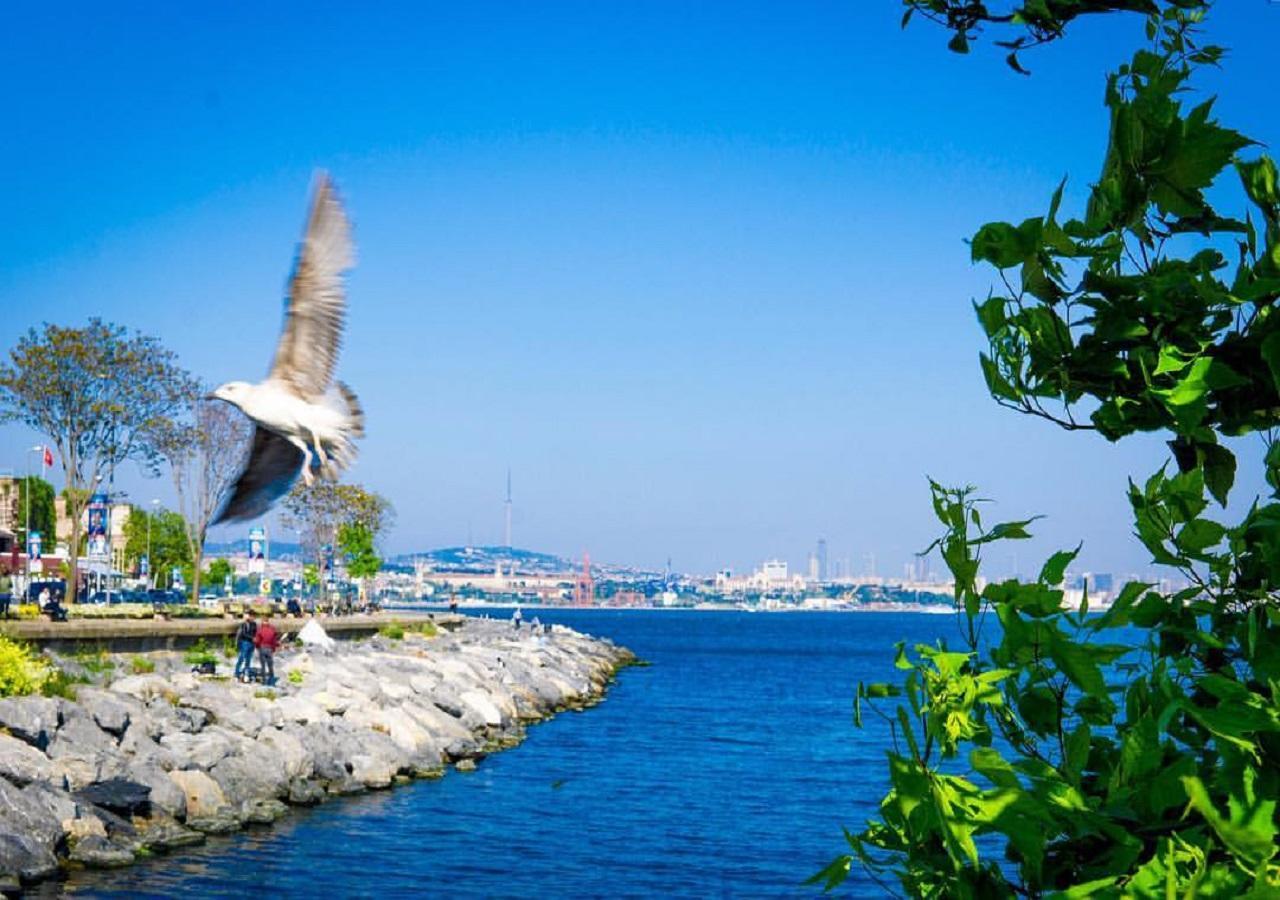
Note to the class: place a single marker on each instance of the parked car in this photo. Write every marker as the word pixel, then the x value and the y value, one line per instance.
pixel 165 595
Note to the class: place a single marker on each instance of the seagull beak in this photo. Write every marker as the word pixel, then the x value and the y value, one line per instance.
pixel 211 396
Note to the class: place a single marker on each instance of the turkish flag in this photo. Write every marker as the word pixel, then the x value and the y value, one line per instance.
pixel 48 458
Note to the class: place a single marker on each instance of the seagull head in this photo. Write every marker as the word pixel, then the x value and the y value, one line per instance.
pixel 233 392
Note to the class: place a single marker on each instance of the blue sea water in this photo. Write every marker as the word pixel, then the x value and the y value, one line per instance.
pixel 726 768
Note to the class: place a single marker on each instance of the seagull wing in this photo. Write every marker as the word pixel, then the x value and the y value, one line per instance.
pixel 272 466
pixel 316 305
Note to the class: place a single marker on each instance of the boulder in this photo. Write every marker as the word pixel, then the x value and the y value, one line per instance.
pixel 109 711
pixel 226 709
pixel 21 763
pixel 100 853
pixel 146 687
pixel 197 751
pixel 286 748
pixel 484 707
pixel 23 859
pixel 301 709
pixel 29 832
pixel 305 792
pixel 164 833
pixel 119 795
pixel 243 779
pixel 262 811
pixel 205 799
pixel 30 719
pixel 165 795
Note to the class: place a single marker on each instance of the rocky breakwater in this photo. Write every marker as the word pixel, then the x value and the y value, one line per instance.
pixel 143 762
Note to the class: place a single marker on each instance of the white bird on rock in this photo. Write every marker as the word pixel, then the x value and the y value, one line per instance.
pixel 305 423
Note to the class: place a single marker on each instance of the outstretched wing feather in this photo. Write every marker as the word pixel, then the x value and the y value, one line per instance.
pixel 270 471
pixel 315 308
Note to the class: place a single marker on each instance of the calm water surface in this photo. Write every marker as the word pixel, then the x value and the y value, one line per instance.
pixel 727 768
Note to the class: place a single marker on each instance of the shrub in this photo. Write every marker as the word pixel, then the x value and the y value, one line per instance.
pixel 229 647
pixel 141 665
pixel 426 629
pixel 199 654
pixel 22 672
pixel 295 676
pixel 93 658
pixel 392 630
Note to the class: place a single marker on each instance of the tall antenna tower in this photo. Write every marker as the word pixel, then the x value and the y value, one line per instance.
pixel 508 509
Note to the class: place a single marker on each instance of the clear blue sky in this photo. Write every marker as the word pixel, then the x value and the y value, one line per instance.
pixel 695 272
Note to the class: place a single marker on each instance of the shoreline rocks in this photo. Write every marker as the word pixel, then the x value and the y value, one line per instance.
pixel 156 761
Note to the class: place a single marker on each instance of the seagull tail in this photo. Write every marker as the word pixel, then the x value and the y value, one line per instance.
pixel 354 411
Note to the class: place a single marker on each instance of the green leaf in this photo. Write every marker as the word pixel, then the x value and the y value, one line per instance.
pixel 1054 570
pixel 1248 833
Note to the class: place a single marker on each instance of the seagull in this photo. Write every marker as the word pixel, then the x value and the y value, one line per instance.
pixel 304 422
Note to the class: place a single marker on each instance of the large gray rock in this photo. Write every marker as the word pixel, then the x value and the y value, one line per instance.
pixel 288 750
pixel 30 719
pixel 100 853
pixel 29 831
pixel 207 807
pixel 119 795
pixel 243 780
pixel 165 718
pixel 109 710
pixel 226 709
pixel 165 794
pixel 23 859
pixel 197 751
pixel 162 832
pixel 21 763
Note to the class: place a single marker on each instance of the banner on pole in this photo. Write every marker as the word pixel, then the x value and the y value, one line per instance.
pixel 257 548
pixel 34 541
pixel 98 510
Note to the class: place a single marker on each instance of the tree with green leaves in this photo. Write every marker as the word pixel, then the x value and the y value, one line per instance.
pixel 97 393
pixel 355 541
pixel 35 496
pixel 167 533
pixel 216 574
pixel 318 511
pixel 1135 753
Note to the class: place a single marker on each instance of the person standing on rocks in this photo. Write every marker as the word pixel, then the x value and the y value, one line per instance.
pixel 516 618
pixel 244 644
pixel 267 640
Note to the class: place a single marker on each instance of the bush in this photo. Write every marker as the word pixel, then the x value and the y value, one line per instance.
pixel 141 665
pixel 199 654
pixel 392 630
pixel 295 676
pixel 22 672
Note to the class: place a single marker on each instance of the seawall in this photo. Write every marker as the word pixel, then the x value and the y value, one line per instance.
pixel 141 762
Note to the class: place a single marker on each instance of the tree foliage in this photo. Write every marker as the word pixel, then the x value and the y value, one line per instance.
pixel 355 540
pixel 168 540
pixel 44 515
pixel 319 511
pixel 97 393
pixel 1134 753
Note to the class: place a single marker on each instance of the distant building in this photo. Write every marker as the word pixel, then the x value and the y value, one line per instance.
pixel 822 559
pixel 813 568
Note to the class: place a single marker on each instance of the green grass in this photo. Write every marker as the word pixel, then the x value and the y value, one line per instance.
pixel 142 666
pixel 199 654
pixel 392 630
pixel 295 676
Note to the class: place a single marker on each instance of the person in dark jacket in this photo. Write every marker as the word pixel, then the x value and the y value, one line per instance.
pixel 267 640
pixel 244 644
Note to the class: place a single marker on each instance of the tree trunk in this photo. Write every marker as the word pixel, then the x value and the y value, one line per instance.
pixel 73 550
pixel 198 559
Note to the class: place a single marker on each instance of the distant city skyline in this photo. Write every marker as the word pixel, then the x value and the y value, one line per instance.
pixel 698 279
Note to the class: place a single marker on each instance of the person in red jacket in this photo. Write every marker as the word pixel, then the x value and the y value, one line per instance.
pixel 267 639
